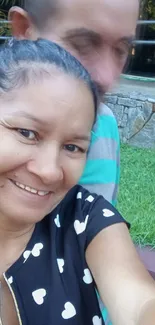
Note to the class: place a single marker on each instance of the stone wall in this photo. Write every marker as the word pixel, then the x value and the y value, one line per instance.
pixel 135 114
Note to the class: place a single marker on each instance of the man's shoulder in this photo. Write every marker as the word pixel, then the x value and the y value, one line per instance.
pixel 106 125
pixel 105 110
pixel 101 172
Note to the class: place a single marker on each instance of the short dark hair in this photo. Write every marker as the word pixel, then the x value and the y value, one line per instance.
pixel 23 60
pixel 39 10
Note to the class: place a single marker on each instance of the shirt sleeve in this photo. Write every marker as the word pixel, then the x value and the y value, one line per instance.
pixel 101 173
pixel 99 214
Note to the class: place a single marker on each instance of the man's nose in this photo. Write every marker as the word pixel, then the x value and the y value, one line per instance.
pixel 46 165
pixel 104 73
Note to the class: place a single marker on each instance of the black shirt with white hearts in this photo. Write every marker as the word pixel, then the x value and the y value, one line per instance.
pixel 51 283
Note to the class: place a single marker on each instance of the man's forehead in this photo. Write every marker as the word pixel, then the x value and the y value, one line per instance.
pixel 100 17
pixel 103 6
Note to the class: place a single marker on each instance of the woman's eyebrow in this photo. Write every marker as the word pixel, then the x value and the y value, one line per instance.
pixel 25 115
pixel 83 137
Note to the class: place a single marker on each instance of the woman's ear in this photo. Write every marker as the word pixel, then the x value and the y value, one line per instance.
pixel 20 22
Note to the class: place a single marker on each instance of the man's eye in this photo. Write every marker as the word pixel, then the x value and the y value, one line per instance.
pixel 81 49
pixel 72 148
pixel 30 135
pixel 83 46
pixel 122 52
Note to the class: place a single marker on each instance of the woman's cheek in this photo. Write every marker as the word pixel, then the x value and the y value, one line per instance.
pixel 73 171
pixel 13 153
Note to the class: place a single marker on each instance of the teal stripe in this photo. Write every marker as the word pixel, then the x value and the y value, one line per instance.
pixel 97 171
pixel 104 311
pixel 114 203
pixel 104 314
pixel 106 127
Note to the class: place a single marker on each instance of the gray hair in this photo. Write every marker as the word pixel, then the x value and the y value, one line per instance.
pixel 22 61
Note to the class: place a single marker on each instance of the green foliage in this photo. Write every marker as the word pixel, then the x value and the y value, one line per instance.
pixel 137 193
pixel 147 11
pixel 4 27
pixel 7 2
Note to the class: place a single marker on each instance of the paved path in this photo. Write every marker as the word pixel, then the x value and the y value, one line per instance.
pixel 127 86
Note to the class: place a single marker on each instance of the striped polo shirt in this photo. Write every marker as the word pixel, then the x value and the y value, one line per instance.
pixel 102 170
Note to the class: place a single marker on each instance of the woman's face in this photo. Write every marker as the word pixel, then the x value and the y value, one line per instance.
pixel 44 137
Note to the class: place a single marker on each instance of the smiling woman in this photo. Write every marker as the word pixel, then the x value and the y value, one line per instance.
pixel 37 134
pixel 46 97
pixel 56 238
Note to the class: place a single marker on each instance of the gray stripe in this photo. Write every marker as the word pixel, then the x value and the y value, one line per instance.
pixel 103 148
pixel 102 306
pixel 105 110
pixel 118 158
pixel 109 191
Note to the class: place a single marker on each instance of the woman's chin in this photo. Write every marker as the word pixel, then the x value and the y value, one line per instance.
pixel 26 207
pixel 25 216
pixel 18 213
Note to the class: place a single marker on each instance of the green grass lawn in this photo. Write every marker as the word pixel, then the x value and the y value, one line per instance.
pixel 136 199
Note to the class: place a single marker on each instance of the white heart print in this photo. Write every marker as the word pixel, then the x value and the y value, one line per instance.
pixel 79 195
pixel 38 296
pixel 80 227
pixel 108 213
pixel 97 320
pixel 90 198
pixel 26 255
pixel 36 249
pixel 87 277
pixel 57 221
pixel 69 311
pixel 10 280
pixel 61 264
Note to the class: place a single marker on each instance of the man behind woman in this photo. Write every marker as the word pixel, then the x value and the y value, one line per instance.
pixel 55 248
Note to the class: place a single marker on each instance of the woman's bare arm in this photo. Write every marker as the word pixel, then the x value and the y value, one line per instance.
pixel 125 286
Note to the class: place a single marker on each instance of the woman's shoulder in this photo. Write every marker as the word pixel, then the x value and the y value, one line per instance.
pixel 81 216
pixel 79 198
pixel 79 193
pixel 79 201
pixel 79 204
pixel 76 205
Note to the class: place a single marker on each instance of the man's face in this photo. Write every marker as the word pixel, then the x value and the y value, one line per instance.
pixel 97 32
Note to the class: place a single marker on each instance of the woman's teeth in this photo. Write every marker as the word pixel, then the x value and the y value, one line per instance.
pixel 30 189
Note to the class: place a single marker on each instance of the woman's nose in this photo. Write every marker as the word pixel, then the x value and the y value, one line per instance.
pixel 46 165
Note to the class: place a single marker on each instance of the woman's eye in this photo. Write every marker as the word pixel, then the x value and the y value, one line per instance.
pixel 72 148
pixel 28 134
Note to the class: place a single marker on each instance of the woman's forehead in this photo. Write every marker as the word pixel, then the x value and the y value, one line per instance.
pixel 54 100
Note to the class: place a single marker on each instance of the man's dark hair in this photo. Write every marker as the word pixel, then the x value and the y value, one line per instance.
pixel 24 61
pixel 39 10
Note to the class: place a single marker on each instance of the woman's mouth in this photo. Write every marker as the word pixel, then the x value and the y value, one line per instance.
pixel 30 189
